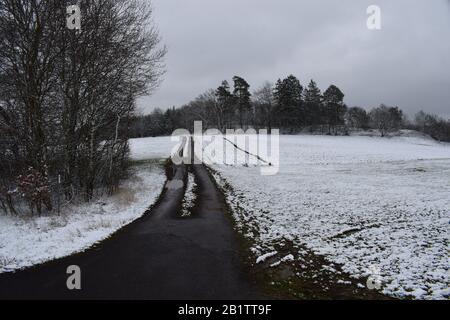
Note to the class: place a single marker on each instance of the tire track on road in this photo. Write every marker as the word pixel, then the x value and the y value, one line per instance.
pixel 159 256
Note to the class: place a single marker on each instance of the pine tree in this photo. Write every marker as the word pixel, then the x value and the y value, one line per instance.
pixel 312 104
pixel 334 107
pixel 288 92
pixel 242 95
pixel 225 101
pixel 223 93
pixel 288 97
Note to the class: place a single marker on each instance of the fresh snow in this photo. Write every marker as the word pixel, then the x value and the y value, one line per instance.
pixel 287 258
pixel 362 202
pixel 265 256
pixel 151 148
pixel 189 196
pixel 26 241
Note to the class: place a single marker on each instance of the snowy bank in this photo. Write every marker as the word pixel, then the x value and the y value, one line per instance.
pixel 28 241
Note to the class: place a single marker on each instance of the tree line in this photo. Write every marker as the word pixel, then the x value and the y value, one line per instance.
pixel 67 97
pixel 287 105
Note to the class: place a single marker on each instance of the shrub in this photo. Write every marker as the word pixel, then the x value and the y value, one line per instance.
pixel 33 186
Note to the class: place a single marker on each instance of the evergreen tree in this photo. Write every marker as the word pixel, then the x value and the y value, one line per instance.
pixel 169 120
pixel 225 102
pixel 223 93
pixel 312 104
pixel 288 92
pixel 242 95
pixel 288 97
pixel 334 106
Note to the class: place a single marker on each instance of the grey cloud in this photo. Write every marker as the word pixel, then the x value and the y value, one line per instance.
pixel 407 63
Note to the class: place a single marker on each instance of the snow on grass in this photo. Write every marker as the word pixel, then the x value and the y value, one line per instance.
pixel 362 202
pixel 265 256
pixel 151 148
pixel 287 258
pixel 28 241
pixel 189 196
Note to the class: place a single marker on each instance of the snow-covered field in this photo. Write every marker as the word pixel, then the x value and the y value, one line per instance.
pixel 151 148
pixel 26 241
pixel 366 203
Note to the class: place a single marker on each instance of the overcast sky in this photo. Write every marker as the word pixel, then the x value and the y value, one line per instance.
pixel 406 63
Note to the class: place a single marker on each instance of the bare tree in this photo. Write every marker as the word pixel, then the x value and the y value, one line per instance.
pixel 433 125
pixel 264 104
pixel 67 96
pixel 386 119
pixel 357 117
pixel 105 68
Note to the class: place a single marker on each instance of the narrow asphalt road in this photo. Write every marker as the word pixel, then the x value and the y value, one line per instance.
pixel 159 256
